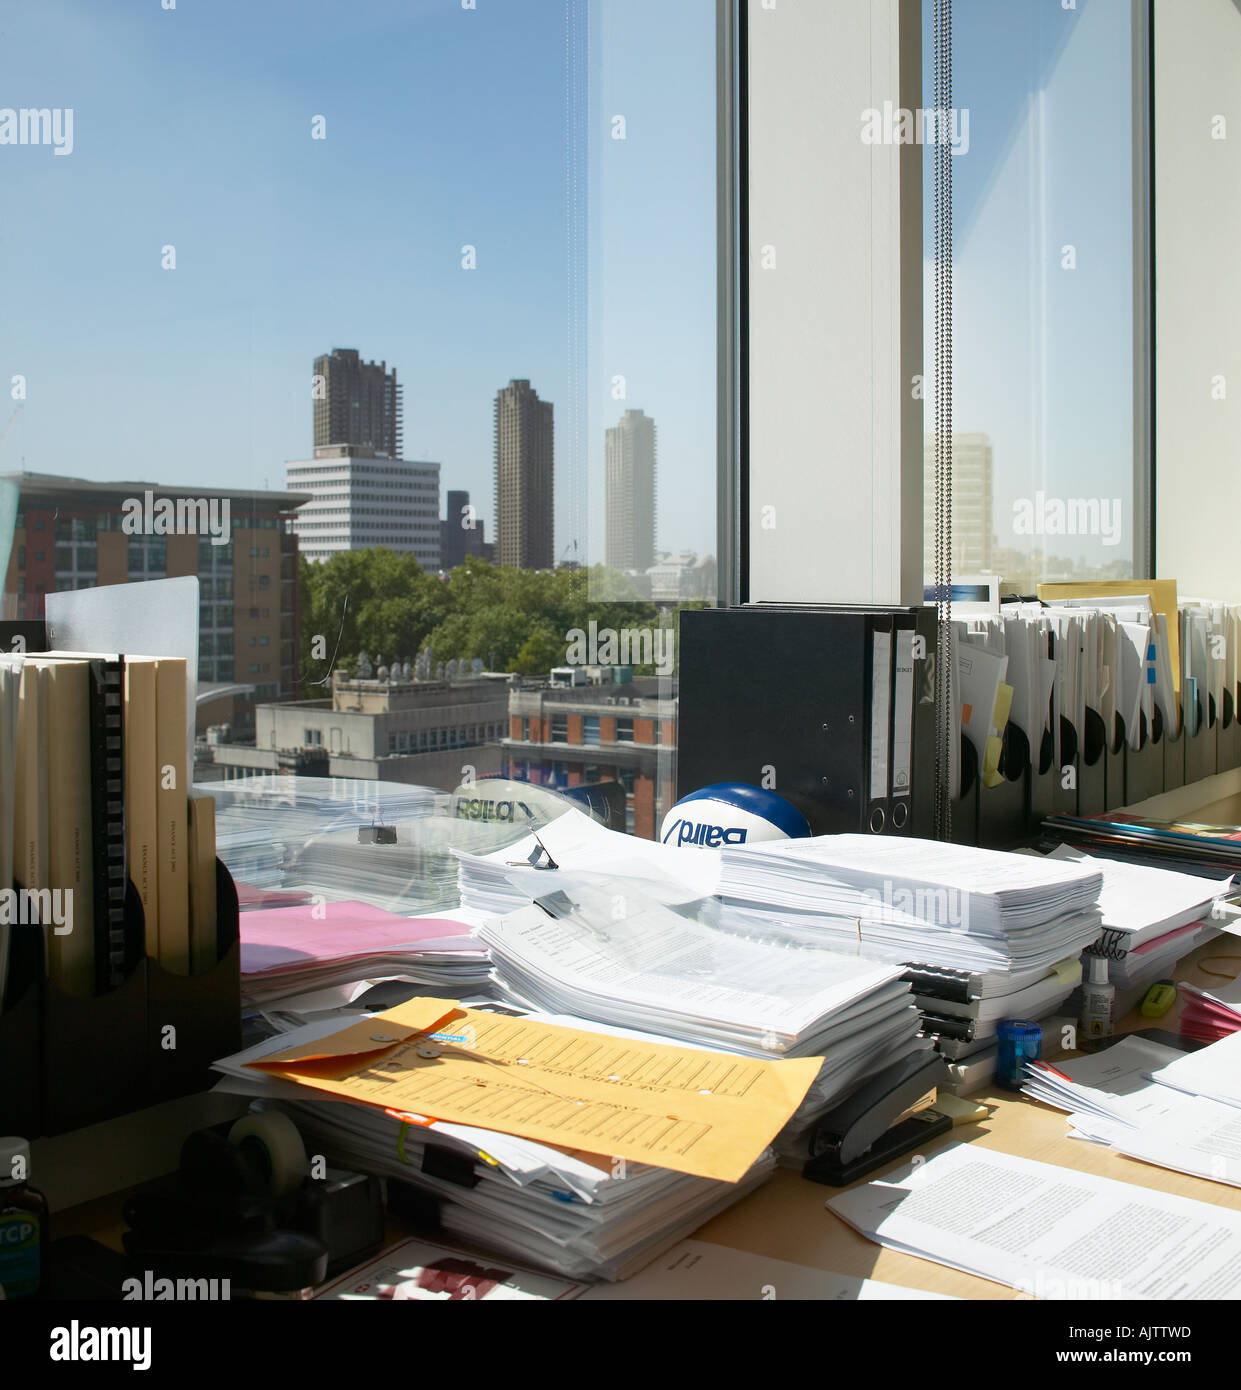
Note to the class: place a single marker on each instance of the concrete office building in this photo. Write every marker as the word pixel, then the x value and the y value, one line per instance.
pixel 357 403
pixel 972 504
pixel 677 578
pixel 75 534
pixel 461 533
pixel 358 499
pixel 378 728
pixel 525 457
pixel 598 733
pixel 630 492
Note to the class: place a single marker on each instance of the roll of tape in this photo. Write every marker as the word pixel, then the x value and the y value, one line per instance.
pixel 276 1138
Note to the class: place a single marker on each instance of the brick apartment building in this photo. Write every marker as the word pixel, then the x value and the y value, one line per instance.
pixel 70 535
pixel 599 733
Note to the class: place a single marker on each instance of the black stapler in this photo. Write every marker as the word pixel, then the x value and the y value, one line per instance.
pixel 862 1132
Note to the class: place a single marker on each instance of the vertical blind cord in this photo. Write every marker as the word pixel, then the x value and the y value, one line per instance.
pixel 944 722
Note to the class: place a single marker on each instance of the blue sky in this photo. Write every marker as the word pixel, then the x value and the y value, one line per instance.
pixel 192 127
pixel 1043 356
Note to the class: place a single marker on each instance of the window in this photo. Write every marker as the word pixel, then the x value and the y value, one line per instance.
pixel 1045 484
pixel 629 226
pixel 627 778
pixel 624 731
pixel 590 730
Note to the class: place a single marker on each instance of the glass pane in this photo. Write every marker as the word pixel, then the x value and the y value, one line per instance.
pixel 1043 366
pixel 434 436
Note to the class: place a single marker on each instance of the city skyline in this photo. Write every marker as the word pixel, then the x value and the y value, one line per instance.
pixel 446 131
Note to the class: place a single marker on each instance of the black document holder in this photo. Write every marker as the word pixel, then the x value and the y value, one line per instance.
pixel 1093 767
pixel 204 1010
pixel 1044 778
pixel 1201 748
pixel 1004 810
pixel 1228 749
pixel 965 807
pixel 21 1020
pixel 102 1055
pixel 1064 798
pixel 1143 765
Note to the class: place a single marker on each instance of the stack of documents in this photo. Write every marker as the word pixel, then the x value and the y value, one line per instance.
pixel 514 875
pixel 1152 1103
pixel 414 872
pixel 292 950
pixel 1213 1072
pixel 600 950
pixel 917 901
pixel 1209 1015
pixel 1050 1232
pixel 599 1211
pixel 963 1011
pixel 1151 919
pixel 1210 851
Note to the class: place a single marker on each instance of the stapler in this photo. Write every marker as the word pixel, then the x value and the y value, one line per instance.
pixel 866 1130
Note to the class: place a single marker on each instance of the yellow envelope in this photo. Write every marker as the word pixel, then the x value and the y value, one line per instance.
pixel 707 1113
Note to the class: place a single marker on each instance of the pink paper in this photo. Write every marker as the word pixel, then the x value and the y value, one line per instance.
pixel 290 938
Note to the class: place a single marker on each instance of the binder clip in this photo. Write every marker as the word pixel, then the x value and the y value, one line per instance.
pixel 531 861
pixel 380 834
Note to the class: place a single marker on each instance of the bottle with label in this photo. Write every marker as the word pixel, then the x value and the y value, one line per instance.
pixel 1098 999
pixel 23 1224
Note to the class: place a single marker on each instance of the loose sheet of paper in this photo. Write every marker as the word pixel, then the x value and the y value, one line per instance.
pixel 1049 1231
pixel 711 1114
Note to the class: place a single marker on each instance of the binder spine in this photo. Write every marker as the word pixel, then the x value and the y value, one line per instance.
pixel 880 727
pixel 901 814
pixel 113 957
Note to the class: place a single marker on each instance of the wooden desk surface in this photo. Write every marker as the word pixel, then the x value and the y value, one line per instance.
pixel 787 1218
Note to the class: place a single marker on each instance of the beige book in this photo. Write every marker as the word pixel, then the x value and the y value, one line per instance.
pixel 71 953
pixel 172 793
pixel 204 929
pixel 30 810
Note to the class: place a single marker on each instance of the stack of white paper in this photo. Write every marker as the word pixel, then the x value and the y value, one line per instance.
pixel 1113 1101
pixel 918 901
pixel 578 1214
pixel 600 950
pixel 513 876
pixel 414 874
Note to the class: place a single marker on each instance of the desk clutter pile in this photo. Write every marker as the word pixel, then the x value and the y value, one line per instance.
pixel 607 1040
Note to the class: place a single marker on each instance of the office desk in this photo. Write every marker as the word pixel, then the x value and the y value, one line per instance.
pixel 786 1218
